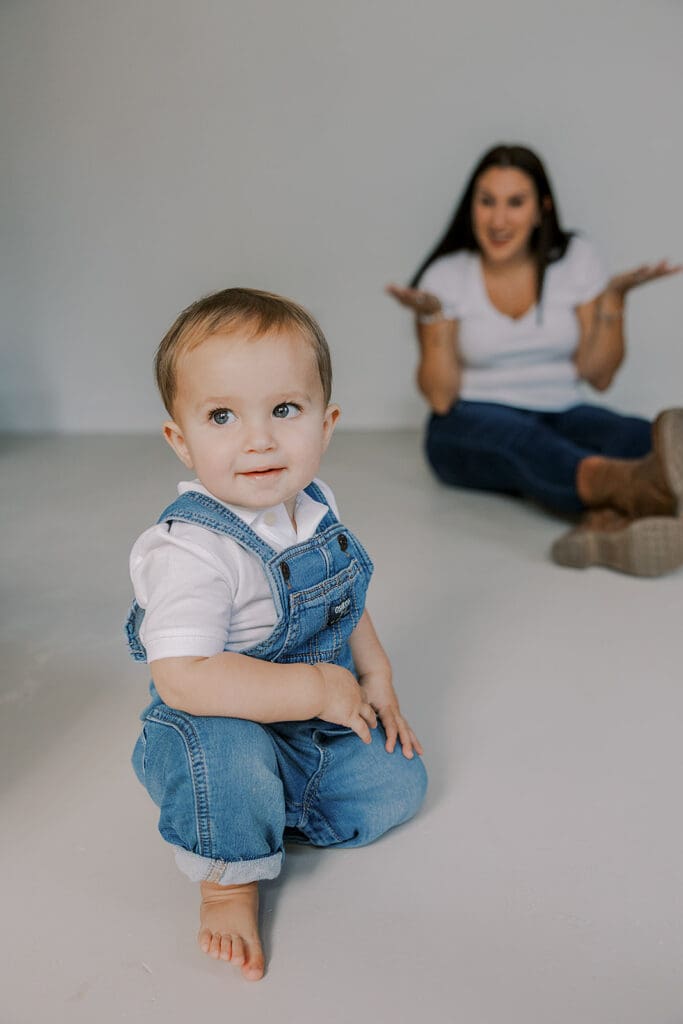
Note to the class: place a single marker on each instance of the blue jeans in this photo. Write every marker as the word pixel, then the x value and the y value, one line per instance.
pixel 494 447
pixel 231 791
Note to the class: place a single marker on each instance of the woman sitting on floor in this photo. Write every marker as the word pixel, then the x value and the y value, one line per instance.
pixel 512 314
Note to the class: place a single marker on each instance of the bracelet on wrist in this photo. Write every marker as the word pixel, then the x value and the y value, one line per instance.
pixel 609 318
pixel 430 318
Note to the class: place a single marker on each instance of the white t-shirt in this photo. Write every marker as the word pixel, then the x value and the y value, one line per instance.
pixel 526 363
pixel 202 591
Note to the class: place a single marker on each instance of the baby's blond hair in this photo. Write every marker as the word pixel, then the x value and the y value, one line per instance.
pixel 227 311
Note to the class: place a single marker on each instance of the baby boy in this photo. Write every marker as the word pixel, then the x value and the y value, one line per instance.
pixel 273 715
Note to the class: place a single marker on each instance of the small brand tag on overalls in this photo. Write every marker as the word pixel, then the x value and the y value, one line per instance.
pixel 338 611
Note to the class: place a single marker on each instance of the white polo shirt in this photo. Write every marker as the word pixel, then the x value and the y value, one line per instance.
pixel 202 591
pixel 528 362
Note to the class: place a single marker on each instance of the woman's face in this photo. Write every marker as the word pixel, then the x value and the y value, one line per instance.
pixel 505 211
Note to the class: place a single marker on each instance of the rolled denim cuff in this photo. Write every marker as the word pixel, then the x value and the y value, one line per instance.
pixel 223 872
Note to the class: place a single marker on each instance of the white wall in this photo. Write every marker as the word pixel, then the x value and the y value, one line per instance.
pixel 154 150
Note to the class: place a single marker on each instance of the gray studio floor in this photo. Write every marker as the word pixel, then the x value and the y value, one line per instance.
pixel 542 882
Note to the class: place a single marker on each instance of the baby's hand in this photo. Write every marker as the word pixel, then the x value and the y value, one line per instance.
pixel 379 691
pixel 344 702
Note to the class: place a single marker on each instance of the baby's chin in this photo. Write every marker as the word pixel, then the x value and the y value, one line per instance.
pixel 257 490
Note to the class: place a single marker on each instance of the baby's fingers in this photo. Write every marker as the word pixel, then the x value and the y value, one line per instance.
pixel 365 720
pixel 396 728
pixel 417 746
pixel 369 714
pixel 361 728
pixel 391 729
pixel 407 738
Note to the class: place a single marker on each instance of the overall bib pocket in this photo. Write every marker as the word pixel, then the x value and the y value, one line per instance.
pixel 322 617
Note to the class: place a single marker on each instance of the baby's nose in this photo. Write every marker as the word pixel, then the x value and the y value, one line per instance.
pixel 259 439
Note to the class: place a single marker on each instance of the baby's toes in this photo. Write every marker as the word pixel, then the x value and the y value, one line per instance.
pixel 204 939
pixel 215 947
pixel 239 953
pixel 254 968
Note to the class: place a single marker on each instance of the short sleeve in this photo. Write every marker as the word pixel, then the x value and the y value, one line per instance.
pixel 186 592
pixel 586 270
pixel 445 278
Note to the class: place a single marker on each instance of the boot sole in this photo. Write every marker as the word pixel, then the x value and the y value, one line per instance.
pixel 667 437
pixel 646 547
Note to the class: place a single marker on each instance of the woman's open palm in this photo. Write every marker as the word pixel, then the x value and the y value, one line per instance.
pixel 422 303
pixel 623 283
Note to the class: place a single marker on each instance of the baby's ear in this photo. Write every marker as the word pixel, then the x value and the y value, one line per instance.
pixel 174 436
pixel 332 414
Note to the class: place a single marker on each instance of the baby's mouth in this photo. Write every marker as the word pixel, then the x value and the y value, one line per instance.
pixel 261 473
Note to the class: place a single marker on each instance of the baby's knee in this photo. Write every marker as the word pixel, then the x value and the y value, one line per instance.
pixel 394 802
pixel 408 787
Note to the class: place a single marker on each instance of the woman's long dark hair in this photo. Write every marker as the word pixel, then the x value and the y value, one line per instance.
pixel 548 241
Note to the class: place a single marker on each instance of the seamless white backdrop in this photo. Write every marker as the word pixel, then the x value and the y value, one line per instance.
pixel 154 150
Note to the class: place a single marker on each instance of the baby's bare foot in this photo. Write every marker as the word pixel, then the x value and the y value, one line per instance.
pixel 229 926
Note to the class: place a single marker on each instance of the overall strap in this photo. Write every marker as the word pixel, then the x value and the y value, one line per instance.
pixel 200 509
pixel 329 519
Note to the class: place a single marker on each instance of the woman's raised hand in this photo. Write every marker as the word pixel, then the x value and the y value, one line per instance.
pixel 623 283
pixel 422 303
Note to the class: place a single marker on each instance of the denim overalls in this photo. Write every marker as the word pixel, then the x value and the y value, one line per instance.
pixel 230 790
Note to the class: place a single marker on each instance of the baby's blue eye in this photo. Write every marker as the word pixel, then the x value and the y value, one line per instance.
pixel 222 416
pixel 286 410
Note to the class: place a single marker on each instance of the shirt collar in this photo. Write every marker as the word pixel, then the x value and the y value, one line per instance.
pixel 272 524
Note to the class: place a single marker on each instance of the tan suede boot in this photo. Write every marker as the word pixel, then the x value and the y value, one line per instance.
pixel 648 546
pixel 651 486
pixel 667 444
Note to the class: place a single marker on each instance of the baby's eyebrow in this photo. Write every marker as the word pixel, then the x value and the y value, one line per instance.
pixel 288 396
pixel 276 398
pixel 222 401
